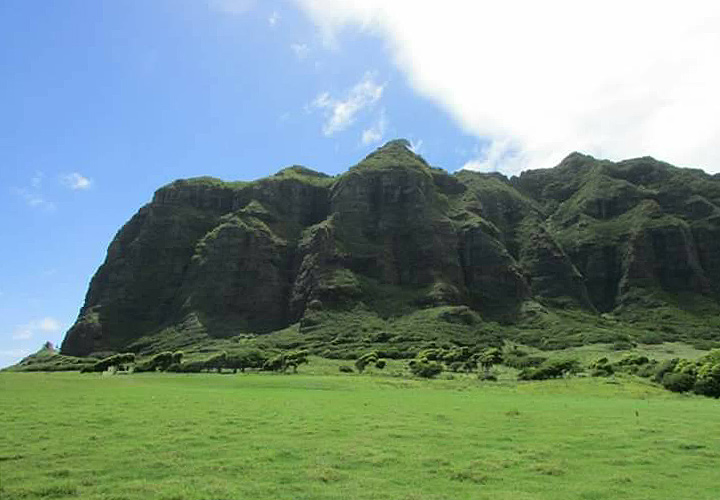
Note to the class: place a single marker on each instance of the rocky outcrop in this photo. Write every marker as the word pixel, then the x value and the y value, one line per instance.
pixel 254 257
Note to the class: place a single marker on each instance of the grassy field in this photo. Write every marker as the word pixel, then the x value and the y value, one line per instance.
pixel 262 436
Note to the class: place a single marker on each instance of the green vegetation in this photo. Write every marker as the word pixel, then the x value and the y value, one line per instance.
pixel 188 437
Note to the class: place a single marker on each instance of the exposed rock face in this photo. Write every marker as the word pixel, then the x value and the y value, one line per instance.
pixel 256 257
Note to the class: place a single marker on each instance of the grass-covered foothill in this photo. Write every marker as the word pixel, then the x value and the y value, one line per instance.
pixel 319 436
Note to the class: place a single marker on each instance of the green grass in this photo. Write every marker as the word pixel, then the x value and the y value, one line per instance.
pixel 177 437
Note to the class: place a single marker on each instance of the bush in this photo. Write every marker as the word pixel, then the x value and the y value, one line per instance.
pixel 118 361
pixel 366 359
pixel 550 369
pixel 380 364
pixel 664 367
pixel 425 369
pixel 346 369
pixel 283 361
pixel 487 377
pixel 633 359
pixel 678 382
pixel 708 375
pixel 161 361
pixel 601 368
pixel 244 360
pixel 647 370
pixel 217 362
pixel 521 362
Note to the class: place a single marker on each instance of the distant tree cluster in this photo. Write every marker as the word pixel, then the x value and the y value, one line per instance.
pixel 244 360
pixel 174 362
pixel 281 362
pixel 161 362
pixel 118 362
pixel 432 361
pixel 701 376
pixel 551 368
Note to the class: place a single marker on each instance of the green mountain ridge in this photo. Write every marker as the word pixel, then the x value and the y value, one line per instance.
pixel 396 253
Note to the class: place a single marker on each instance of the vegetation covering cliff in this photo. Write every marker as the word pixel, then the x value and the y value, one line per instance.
pixel 395 253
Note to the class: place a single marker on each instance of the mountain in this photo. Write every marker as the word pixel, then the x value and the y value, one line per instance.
pixel 396 252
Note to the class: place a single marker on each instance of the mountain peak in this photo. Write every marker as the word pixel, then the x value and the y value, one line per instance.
pixel 395 153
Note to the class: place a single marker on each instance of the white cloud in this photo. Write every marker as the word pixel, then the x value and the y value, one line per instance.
pixel 76 181
pixel 273 19
pixel 301 50
pixel 376 132
pixel 341 112
pixel 43 325
pixel 538 80
pixel 231 6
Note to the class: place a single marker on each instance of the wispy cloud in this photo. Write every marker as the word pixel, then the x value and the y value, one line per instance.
pixel 35 199
pixel 76 181
pixel 538 79
pixel 43 325
pixel 301 50
pixel 341 112
pixel 273 18
pixel 36 180
pixel 376 132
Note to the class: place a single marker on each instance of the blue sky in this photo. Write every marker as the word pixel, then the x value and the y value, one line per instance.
pixel 104 101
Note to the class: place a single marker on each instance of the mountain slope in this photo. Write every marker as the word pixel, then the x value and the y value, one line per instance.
pixel 396 250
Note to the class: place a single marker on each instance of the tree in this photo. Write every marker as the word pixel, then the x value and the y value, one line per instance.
pixel 217 362
pixel 366 359
pixel 295 359
pixel 488 358
pixel 117 361
pixel 425 368
pixel 161 361
pixel 283 361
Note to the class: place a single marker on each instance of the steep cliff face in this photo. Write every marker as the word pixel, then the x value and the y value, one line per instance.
pixel 251 258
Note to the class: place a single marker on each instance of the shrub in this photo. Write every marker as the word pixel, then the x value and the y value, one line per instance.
pixel 425 369
pixel 622 345
pixel 282 362
pixel 708 375
pixel 633 359
pixel 217 362
pixel 521 362
pixel 488 358
pixel 119 361
pixel 550 369
pixel 380 364
pixel 651 338
pixel 295 359
pixel 487 377
pixel 175 368
pixel 647 370
pixel 346 369
pixel 678 382
pixel 161 361
pixel 664 367
pixel 366 359
pixel 601 368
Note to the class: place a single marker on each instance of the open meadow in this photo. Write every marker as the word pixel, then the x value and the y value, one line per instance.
pixel 300 436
